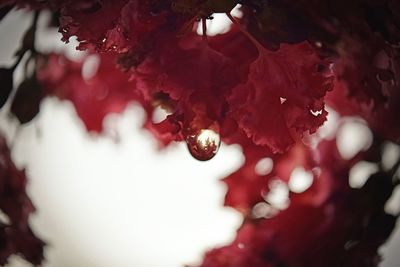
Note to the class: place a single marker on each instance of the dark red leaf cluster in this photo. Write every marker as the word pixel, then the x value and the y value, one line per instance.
pixel 361 37
pixel 16 237
pixel 205 82
pixel 358 36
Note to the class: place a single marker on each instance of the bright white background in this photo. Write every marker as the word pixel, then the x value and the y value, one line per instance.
pixel 115 200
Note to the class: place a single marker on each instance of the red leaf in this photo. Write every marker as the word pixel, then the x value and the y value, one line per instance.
pixel 283 89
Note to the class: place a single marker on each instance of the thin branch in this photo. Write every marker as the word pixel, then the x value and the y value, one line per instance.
pixel 245 32
pixel 33 29
pixel 28 43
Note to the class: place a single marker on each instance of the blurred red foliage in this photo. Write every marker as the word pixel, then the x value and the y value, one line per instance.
pixel 264 84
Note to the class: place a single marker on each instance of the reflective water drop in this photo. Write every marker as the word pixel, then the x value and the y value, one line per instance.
pixel 204 144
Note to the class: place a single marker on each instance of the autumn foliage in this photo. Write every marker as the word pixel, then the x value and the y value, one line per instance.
pixel 264 84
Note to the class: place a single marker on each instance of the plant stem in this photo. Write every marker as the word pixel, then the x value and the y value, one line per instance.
pixel 31 46
pixel 245 32
pixel 204 29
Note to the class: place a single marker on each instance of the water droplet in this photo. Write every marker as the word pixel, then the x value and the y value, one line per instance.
pixel 203 144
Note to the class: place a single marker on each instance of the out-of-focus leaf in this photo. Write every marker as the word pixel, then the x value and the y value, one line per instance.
pixel 26 102
pixel 6 83
pixel 29 39
pixel 108 91
pixel 16 236
pixel 330 224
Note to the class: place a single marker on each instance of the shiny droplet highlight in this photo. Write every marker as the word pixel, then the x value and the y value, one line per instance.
pixel 204 144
